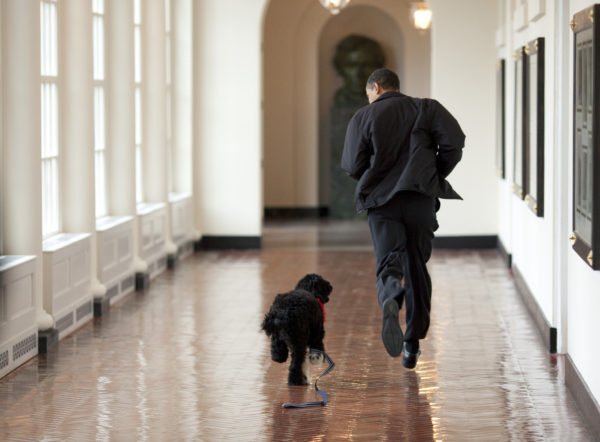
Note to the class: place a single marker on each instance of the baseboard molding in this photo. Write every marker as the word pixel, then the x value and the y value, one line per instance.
pixel 142 281
pixel 172 261
pixel 231 242
pixel 47 340
pixel 587 405
pixel 296 212
pixel 101 306
pixel 465 242
pixel 507 257
pixel 548 333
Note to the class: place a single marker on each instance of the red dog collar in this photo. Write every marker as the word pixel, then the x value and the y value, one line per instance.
pixel 322 308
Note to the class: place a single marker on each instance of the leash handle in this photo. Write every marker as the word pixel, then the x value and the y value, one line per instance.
pixel 323 393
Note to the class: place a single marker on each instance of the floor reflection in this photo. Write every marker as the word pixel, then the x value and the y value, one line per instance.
pixel 186 360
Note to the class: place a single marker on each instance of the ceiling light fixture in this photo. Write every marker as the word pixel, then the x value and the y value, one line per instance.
pixel 334 6
pixel 421 15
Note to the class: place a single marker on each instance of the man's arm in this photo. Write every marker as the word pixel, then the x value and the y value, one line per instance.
pixel 357 150
pixel 449 137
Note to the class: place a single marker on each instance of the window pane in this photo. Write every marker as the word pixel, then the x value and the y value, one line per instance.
pixel 48 39
pixel 168 59
pixel 138 174
pixel 100 184
pixel 98 33
pixel 49 117
pixel 50 197
pixel 53 40
pixel 137 12
pixel 169 118
pixel 137 40
pixel 138 116
pixel 98 6
pixel 54 91
pixel 99 119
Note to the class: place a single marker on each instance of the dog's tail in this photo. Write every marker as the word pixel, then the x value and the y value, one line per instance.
pixel 270 324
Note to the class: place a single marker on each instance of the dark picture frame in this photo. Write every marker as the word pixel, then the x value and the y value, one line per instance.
pixel 585 238
pixel 534 147
pixel 520 132
pixel 501 118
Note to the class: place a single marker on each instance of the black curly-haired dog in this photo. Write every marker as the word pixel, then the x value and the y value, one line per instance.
pixel 295 322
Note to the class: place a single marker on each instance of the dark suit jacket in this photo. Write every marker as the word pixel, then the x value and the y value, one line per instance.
pixel 401 143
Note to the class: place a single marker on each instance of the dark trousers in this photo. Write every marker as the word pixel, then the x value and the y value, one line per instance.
pixel 402 232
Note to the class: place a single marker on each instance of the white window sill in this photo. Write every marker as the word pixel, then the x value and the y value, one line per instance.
pixel 62 240
pixel 175 197
pixel 110 222
pixel 10 261
pixel 147 208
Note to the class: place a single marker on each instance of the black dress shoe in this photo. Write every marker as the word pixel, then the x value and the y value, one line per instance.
pixel 391 333
pixel 410 359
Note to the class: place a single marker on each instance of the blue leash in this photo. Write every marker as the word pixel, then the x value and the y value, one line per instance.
pixel 323 393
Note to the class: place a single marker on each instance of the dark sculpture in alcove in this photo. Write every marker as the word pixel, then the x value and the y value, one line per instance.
pixel 355 58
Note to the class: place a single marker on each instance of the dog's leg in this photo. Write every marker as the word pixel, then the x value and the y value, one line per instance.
pixel 306 371
pixel 279 350
pixel 316 342
pixel 296 375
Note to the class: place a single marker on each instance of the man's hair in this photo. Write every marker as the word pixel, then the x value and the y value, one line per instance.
pixel 385 78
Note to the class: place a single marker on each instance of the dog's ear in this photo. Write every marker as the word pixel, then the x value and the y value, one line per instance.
pixel 315 284
pixel 323 290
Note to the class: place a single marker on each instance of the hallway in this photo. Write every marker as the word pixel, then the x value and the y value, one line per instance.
pixel 185 360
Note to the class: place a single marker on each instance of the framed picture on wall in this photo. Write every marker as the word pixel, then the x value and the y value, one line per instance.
pixel 520 140
pixel 586 136
pixel 534 149
pixel 500 118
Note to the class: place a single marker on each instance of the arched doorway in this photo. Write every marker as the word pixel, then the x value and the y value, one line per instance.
pixel 299 82
pixel 335 189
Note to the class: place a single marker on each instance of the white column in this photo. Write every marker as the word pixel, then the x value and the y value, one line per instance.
pixel 22 217
pixel 121 109
pixel 182 92
pixel 77 147
pixel 197 120
pixel 121 116
pixel 154 115
pixel 228 116
pixel 560 184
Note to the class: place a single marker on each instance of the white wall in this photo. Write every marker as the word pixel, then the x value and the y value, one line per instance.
pixel 1 141
pixel 583 283
pixel 280 24
pixel 182 94
pixel 564 286
pixel 504 41
pixel 463 78
pixel 228 134
pixel 530 238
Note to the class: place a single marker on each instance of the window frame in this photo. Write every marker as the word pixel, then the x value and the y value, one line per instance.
pixel 100 89
pixel 138 99
pixel 50 119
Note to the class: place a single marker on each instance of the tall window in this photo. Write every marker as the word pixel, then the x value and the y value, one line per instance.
pixel 137 39
pixel 99 106
pixel 169 139
pixel 49 114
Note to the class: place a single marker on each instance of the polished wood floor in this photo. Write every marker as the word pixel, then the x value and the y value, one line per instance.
pixel 186 361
